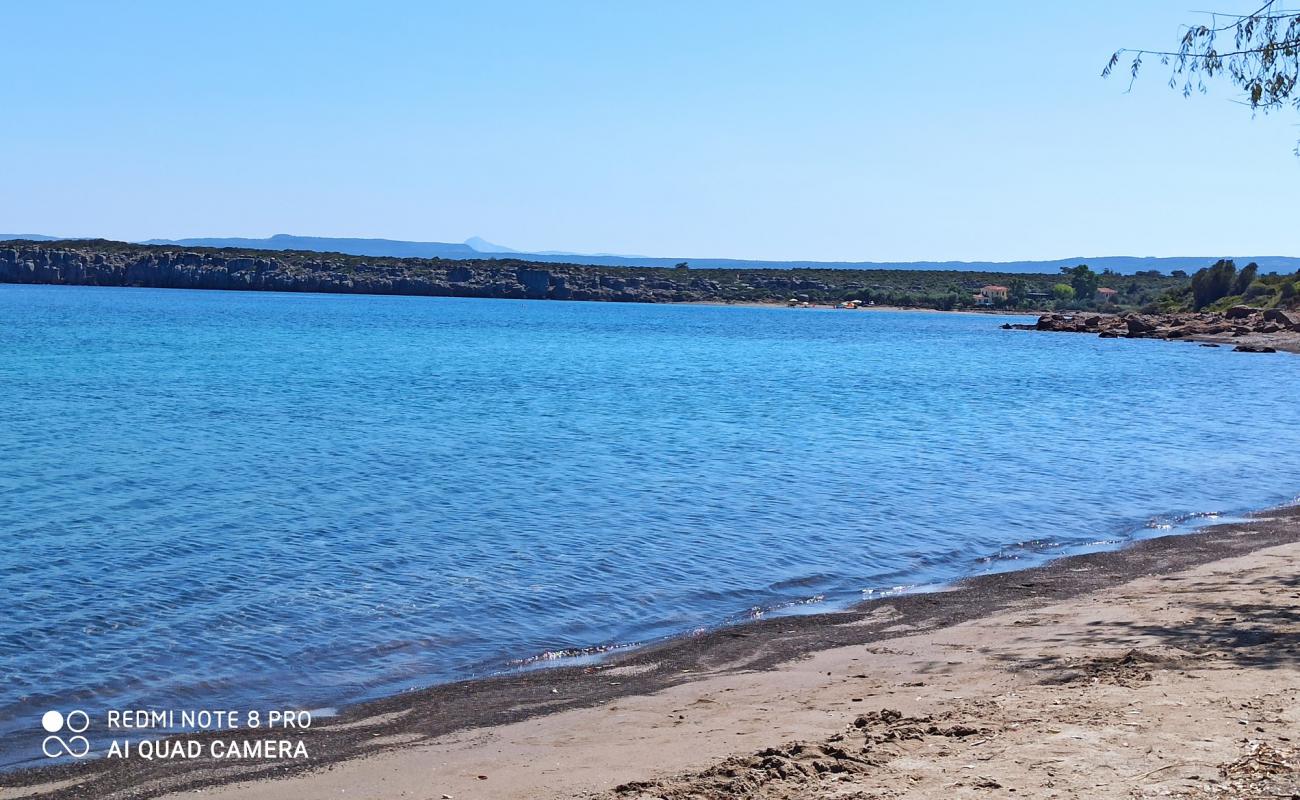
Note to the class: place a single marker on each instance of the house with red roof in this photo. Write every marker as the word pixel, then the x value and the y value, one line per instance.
pixel 990 294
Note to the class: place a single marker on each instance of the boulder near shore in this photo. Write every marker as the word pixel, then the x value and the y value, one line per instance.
pixel 1253 330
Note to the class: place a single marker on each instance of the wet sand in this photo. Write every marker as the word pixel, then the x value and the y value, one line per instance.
pixel 1170 668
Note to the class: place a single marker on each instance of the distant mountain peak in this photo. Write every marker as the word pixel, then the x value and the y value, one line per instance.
pixel 484 246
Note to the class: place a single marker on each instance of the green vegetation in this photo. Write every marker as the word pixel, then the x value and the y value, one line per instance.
pixel 1222 285
pixel 1212 283
pixel 948 290
pixel 1083 280
pixel 1076 288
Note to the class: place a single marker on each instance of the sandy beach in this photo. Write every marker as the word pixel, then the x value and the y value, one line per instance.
pixel 1168 669
pixel 465 401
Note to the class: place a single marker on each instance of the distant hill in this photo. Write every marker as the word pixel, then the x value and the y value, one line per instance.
pixel 477 248
pixel 320 244
pixel 484 246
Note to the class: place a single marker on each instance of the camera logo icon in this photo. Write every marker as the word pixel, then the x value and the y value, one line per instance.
pixel 73 723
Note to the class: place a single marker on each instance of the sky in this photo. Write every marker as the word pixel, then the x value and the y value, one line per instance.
pixel 795 130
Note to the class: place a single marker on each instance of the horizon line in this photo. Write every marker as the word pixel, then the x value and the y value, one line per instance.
pixel 509 252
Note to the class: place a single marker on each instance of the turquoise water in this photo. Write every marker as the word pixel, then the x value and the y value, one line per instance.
pixel 227 500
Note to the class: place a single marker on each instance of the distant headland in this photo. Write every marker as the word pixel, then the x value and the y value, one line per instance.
pixel 476 248
pixel 100 262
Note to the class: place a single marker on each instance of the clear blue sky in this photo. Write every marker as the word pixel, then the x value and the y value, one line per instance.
pixel 797 130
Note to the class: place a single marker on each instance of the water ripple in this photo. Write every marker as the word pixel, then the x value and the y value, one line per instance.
pixel 231 499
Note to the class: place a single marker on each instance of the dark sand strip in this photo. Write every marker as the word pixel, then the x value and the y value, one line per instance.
pixel 402 725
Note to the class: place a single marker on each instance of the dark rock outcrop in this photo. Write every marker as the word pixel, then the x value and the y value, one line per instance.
pixel 1192 326
pixel 1138 326
pixel 1279 317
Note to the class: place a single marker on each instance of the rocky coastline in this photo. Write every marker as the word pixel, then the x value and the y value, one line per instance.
pixel 100 262
pixel 106 263
pixel 1250 330
pixel 115 264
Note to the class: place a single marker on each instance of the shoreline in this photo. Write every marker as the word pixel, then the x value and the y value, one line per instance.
pixel 121 264
pixel 396 724
pixel 777 304
pixel 1248 329
pixel 989 312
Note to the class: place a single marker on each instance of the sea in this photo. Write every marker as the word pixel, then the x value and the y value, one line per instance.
pixel 258 500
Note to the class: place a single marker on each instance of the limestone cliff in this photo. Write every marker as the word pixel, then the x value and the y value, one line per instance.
pixel 98 263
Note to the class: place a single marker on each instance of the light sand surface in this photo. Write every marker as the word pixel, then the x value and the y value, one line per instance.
pixel 1177 685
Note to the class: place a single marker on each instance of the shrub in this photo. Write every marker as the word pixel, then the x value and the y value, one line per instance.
pixel 1245 278
pixel 1213 283
pixel 1083 280
pixel 1257 290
